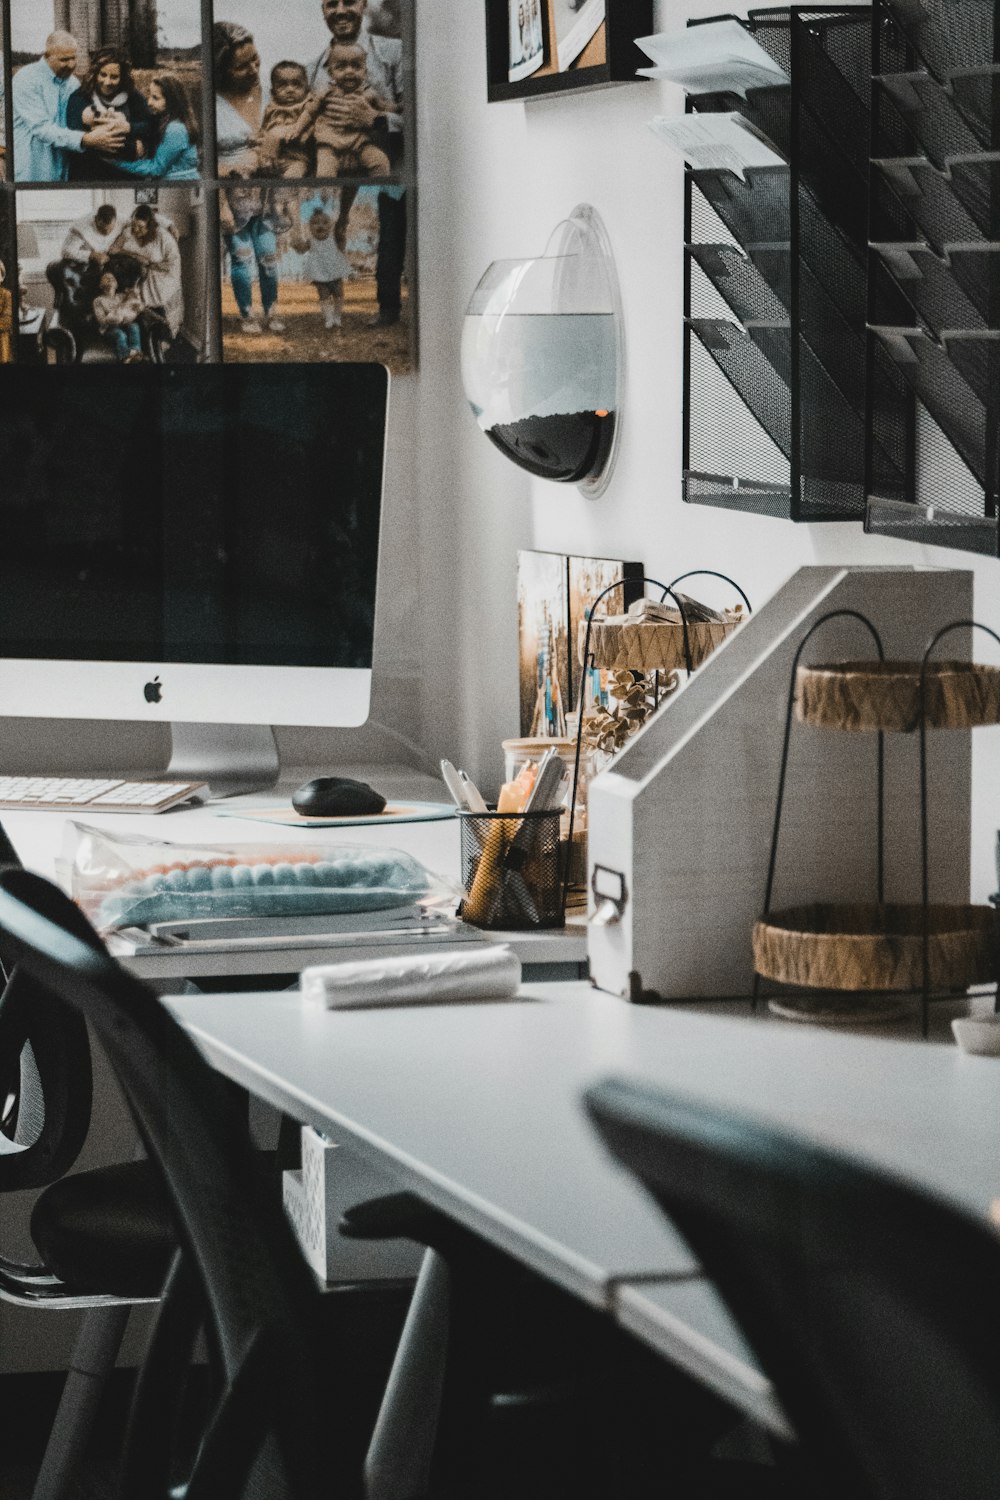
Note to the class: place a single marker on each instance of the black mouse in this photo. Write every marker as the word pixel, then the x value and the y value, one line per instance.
pixel 337 797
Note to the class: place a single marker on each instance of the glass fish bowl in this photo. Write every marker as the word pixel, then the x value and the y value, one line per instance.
pixel 543 356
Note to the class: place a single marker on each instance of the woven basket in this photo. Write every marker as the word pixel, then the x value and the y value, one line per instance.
pixel 620 644
pixel 886 695
pixel 869 947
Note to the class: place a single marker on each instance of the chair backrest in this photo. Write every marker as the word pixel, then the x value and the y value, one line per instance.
pixel 873 1308
pixel 45 1072
pixel 260 1299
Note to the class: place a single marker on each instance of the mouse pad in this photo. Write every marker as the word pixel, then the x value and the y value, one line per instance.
pixel 393 812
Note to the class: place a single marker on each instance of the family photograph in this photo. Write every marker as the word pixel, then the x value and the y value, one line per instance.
pixel 106 90
pixel 192 181
pixel 309 88
pixel 114 274
pixel 314 273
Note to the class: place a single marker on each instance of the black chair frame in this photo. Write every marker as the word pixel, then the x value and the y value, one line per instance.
pixel 239 1266
pixel 872 1306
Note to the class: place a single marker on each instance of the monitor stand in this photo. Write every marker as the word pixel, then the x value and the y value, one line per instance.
pixel 232 758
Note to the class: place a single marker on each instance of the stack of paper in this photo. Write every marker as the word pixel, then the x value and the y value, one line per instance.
pixel 717 142
pixel 719 57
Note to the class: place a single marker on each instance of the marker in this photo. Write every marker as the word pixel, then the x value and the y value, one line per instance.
pixel 473 796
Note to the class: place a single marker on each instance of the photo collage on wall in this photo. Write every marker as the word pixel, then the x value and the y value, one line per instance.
pixel 187 182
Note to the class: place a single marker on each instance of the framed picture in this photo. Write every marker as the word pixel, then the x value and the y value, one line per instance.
pixel 104 273
pixel 538 47
pixel 196 181
pixel 308 59
pixel 131 74
pixel 554 596
pixel 327 300
pixel 527 39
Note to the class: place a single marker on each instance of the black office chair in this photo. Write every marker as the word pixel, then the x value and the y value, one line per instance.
pixel 238 1267
pixel 104 1236
pixel 873 1307
pixel 505 1385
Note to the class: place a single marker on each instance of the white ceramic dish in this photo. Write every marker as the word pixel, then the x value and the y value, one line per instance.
pixel 978 1034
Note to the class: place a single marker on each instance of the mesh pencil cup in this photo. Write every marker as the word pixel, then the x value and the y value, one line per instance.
pixel 510 870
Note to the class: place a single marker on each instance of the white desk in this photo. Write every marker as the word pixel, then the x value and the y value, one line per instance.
pixel 687 1323
pixel 473 1107
pixel 477 1109
pixel 40 838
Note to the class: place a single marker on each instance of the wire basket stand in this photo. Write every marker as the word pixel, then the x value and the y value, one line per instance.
pixel 894 941
pixel 589 664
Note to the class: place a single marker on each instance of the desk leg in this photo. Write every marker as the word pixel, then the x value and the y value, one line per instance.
pixel 398 1465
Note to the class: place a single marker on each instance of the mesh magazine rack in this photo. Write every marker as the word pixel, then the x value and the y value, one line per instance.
pixel 934 274
pixel 775 292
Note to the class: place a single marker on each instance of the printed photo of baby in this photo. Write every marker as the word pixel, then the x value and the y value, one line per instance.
pixel 302 133
pixel 310 89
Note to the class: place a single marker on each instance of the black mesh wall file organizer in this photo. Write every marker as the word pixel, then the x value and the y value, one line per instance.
pixel 934 269
pixel 775 291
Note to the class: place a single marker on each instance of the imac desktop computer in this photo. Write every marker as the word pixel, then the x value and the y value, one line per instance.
pixel 196 545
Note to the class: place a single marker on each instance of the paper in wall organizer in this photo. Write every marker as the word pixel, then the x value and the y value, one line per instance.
pixel 717 142
pixel 720 57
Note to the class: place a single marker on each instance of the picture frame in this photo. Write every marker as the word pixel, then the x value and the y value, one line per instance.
pixel 586 44
pixel 555 592
pixel 155 69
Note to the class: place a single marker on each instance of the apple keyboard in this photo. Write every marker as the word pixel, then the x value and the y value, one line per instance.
pixel 78 794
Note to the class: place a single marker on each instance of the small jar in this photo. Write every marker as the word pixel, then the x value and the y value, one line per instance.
pixel 519 753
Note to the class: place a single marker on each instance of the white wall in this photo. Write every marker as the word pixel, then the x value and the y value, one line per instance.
pixel 495 179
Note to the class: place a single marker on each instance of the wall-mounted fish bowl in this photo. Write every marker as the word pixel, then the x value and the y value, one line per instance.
pixel 543 357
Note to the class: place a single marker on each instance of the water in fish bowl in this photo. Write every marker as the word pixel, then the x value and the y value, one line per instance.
pixel 542 387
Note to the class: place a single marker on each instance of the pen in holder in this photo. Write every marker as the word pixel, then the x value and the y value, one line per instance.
pixel 510 869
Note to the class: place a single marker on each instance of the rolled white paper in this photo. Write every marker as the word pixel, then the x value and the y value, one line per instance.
pixel 434 979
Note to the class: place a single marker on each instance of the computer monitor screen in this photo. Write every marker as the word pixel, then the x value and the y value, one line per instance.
pixel 190 543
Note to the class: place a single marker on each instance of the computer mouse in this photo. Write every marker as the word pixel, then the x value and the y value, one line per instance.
pixel 337 797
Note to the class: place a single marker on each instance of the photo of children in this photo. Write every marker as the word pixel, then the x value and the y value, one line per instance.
pixel 313 88
pixel 117 257
pixel 303 277
pixel 106 90
pixel 527 45
pixel 115 274
pixel 116 313
pixel 284 146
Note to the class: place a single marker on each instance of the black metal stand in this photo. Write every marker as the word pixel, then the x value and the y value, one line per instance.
pixel 833 614
pixel 589 664
pixel 924 870
pixel 925 989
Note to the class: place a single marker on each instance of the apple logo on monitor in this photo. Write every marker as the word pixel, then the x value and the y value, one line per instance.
pixel 153 691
